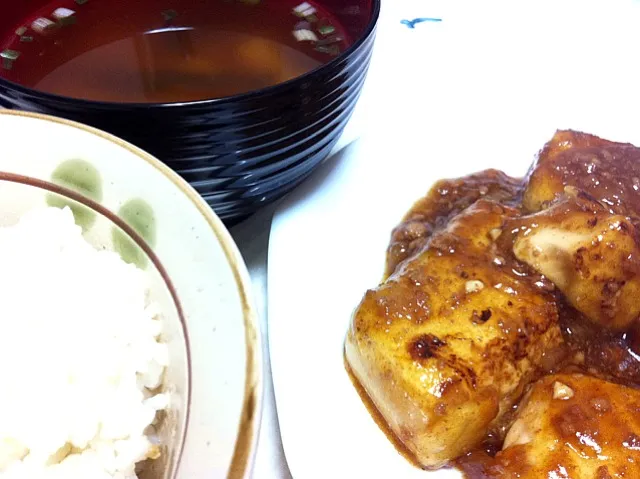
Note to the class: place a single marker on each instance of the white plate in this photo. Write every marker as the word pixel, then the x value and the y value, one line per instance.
pixel 486 90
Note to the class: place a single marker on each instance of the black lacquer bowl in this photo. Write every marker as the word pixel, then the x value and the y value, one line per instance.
pixel 241 152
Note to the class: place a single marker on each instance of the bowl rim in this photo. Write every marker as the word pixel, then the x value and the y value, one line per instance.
pixel 251 413
pixel 270 90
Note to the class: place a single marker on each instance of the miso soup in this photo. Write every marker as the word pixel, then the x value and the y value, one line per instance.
pixel 168 50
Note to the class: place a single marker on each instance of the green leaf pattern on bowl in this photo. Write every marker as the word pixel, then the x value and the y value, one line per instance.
pixel 138 214
pixel 82 177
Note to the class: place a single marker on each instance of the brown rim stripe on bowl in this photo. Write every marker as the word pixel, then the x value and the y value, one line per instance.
pixel 250 420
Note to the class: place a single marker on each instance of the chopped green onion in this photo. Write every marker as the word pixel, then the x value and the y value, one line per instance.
pixel 81 2
pixel 330 40
pixel 305 36
pixel 26 38
pixel 8 57
pixel 64 16
pixel 332 50
pixel 21 31
pixel 42 25
pixel 326 29
pixel 10 54
pixel 304 10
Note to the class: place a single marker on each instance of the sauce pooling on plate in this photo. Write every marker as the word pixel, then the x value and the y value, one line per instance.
pixel 170 51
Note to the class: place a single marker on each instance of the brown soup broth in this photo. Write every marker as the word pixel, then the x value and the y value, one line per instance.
pixel 168 50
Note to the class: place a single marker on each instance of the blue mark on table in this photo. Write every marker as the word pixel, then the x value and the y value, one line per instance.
pixel 415 21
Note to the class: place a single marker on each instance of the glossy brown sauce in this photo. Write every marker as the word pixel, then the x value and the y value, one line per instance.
pixel 608 171
pixel 605 354
pixel 445 200
pixel 588 348
pixel 599 422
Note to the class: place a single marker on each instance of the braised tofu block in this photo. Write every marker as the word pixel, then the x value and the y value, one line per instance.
pixel 591 255
pixel 445 346
pixel 608 171
pixel 573 426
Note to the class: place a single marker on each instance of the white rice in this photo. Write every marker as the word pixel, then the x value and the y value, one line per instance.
pixel 79 351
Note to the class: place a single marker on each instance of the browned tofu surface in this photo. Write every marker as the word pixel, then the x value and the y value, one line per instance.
pixel 591 255
pixel 445 346
pixel 608 171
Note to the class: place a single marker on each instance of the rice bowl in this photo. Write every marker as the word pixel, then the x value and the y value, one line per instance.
pixel 194 275
pixel 80 321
